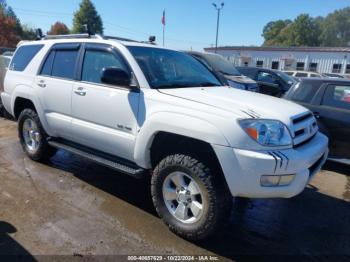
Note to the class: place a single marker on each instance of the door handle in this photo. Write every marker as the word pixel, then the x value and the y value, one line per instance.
pixel 42 83
pixel 80 91
pixel 317 115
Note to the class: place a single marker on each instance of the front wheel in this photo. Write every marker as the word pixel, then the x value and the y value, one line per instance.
pixel 191 200
pixel 33 137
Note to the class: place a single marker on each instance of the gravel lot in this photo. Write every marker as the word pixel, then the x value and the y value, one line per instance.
pixel 74 207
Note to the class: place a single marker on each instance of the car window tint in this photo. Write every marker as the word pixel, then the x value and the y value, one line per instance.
pixel 247 72
pixel 200 59
pixel 64 63
pixel 24 56
pixel 337 96
pixel 313 75
pixel 305 91
pixel 47 67
pixel 95 61
pixel 266 77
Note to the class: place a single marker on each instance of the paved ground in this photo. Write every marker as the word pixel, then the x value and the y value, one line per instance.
pixel 71 206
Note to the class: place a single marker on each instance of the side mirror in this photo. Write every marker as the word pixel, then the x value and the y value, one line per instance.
pixel 115 76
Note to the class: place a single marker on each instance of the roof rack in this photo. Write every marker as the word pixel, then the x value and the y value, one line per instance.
pixel 71 36
pixel 40 36
pixel 107 37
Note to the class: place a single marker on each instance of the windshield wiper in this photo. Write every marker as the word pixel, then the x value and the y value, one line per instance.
pixel 206 84
pixel 172 86
pixel 230 74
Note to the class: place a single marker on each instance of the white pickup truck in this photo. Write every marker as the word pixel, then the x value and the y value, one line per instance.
pixel 149 111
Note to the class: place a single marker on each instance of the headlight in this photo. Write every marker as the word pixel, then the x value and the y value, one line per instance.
pixel 236 85
pixel 267 132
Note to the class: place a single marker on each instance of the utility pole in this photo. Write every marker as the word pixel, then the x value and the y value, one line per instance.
pixel 218 9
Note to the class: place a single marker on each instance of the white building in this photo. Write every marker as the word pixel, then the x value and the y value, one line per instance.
pixel 316 59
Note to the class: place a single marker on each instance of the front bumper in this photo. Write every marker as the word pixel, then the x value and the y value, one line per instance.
pixel 243 168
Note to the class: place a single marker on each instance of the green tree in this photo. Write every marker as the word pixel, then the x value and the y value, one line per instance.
pixel 303 31
pixel 336 28
pixel 11 14
pixel 87 15
pixel 28 33
pixel 272 31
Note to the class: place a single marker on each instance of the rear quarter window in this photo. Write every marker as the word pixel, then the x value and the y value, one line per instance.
pixel 64 64
pixel 23 56
pixel 305 91
pixel 337 96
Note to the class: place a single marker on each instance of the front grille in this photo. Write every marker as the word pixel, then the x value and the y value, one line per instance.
pixel 302 118
pixel 304 128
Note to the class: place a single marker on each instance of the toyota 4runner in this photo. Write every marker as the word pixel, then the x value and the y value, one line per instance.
pixel 149 111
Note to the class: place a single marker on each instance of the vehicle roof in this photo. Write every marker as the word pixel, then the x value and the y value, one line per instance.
pixel 298 71
pixel 6 56
pixel 257 68
pixel 200 53
pixel 89 40
pixel 327 80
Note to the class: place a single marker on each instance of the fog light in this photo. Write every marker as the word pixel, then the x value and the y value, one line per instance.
pixel 286 180
pixel 271 181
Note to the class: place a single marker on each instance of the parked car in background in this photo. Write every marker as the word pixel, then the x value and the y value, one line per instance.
pixel 225 71
pixel 329 100
pixel 4 63
pixel 332 75
pixel 271 82
pixel 301 74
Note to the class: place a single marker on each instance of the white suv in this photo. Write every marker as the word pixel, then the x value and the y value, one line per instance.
pixel 149 111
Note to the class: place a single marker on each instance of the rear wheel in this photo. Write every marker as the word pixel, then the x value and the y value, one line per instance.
pixel 191 200
pixel 33 137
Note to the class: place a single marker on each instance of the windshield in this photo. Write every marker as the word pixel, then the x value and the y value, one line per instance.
pixel 171 69
pixel 220 64
pixel 286 78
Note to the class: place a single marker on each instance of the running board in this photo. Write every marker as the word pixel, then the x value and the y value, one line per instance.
pixel 118 164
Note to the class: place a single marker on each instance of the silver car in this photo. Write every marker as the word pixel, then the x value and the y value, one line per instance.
pixel 4 64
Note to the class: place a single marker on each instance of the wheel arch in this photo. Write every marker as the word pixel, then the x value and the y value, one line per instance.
pixel 174 127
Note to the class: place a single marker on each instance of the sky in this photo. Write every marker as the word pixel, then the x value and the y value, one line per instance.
pixel 190 24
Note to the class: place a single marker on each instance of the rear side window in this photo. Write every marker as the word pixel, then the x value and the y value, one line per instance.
pixel 64 63
pixel 47 67
pixel 24 56
pixel 267 78
pixel 337 96
pixel 305 91
pixel 247 72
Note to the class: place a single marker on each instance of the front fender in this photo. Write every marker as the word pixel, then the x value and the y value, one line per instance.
pixel 174 123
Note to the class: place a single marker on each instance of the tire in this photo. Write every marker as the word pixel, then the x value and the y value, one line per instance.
pixel 214 198
pixel 42 151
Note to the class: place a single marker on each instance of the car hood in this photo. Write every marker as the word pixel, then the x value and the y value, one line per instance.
pixel 240 79
pixel 242 103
